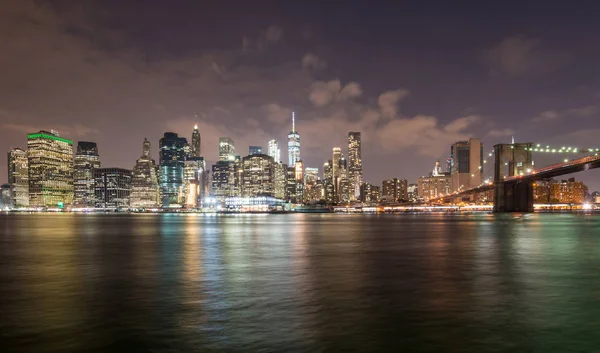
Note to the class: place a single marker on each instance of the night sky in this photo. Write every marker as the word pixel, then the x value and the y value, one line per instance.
pixel 413 78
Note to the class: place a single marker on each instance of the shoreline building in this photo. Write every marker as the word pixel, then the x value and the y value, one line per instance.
pixel 172 158
pixel 434 186
pixel 5 197
pixel 112 188
pixel 225 180
pixel 194 181
pixel 18 178
pixel 50 172
pixel 258 175
pixel 293 144
pixel 145 192
pixel 466 164
pixel 395 190
pixel 86 161
pixel 369 194
pixel 328 188
pixel 280 180
pixel 355 169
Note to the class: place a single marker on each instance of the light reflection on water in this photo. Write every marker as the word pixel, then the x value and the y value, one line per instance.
pixel 305 282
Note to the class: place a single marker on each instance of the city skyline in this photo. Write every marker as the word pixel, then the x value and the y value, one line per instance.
pixel 524 81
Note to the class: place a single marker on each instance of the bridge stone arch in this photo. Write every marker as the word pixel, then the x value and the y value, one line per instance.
pixel 513 160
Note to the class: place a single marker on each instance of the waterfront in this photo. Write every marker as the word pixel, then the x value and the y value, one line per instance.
pixel 300 282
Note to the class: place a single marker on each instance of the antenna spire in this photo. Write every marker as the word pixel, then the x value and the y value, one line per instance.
pixel 293 122
pixel 513 140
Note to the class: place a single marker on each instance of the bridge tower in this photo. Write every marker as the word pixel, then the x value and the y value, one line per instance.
pixel 512 160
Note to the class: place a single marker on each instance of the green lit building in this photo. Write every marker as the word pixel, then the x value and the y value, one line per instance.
pixel 50 169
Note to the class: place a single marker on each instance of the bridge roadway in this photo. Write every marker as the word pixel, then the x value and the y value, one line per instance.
pixel 551 171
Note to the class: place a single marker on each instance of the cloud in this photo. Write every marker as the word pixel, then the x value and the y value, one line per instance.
pixel 548 115
pixel 274 33
pixel 520 55
pixel 461 123
pixel 312 62
pixel 583 111
pixel 277 114
pixel 322 93
pixel 501 133
pixel 388 102
pixel 69 130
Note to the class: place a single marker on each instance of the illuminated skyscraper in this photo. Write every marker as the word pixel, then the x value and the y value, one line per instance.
pixel 86 161
pixel 145 192
pixel 395 190
pixel 193 185
pixel 274 151
pixel 225 179
pixel 355 170
pixel 112 188
pixel 226 149
pixel 258 178
pixel 313 188
pixel 337 173
pixel 196 140
pixel 50 160
pixel 172 160
pixel 299 172
pixel 293 144
pixel 290 187
pixel 280 180
pixel 18 177
pixel 328 182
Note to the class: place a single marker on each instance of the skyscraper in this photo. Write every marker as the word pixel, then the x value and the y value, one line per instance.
pixel 274 151
pixel 293 144
pixel 86 161
pixel 280 180
pixel 226 149
pixel 112 188
pixel 355 170
pixel 336 172
pixel 196 151
pixel 145 192
pixel 254 150
pixel 50 159
pixel 467 164
pixel 225 179
pixel 258 177
pixel 328 182
pixel 18 177
pixel 396 190
pixel 172 159
pixel 194 174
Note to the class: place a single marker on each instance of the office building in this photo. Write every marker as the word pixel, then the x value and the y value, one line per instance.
pixel 196 142
pixel 225 180
pixel 274 151
pixel 112 188
pixel 395 190
pixel 226 149
pixel 355 170
pixel 258 178
pixel 466 164
pixel 293 144
pixel 86 161
pixel 145 191
pixel 369 194
pixel 431 187
pixel 254 150
pixel 172 156
pixel 194 181
pixel 336 173
pixel 280 180
pixel 413 192
pixel 299 172
pixel 290 187
pixel 18 178
pixel 5 197
pixel 50 160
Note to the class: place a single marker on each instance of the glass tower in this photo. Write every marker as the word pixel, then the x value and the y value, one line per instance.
pixel 226 149
pixel 86 161
pixel 50 160
pixel 293 144
pixel 172 161
pixel 274 151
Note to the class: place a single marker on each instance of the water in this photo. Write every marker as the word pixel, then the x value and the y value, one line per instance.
pixel 314 283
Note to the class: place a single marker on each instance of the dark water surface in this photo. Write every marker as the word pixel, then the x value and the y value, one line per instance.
pixel 284 283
